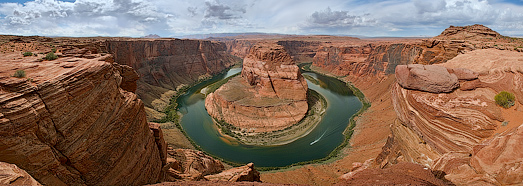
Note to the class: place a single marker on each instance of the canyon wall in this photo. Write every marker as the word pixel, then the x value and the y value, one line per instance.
pixel 380 57
pixel 70 122
pixel 163 65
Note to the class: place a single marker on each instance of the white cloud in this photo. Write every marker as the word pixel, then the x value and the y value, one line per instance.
pixel 179 17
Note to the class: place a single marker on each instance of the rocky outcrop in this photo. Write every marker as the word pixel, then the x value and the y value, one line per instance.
pixel 270 95
pixel 164 64
pixel 189 164
pixel 448 122
pixel 458 131
pixel 243 173
pixel 400 174
pixel 428 78
pixel 473 32
pixel 495 162
pixel 69 122
pixel 10 174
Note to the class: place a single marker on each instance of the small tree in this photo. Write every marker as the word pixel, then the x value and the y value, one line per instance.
pixel 27 54
pixel 19 74
pixel 505 99
pixel 50 56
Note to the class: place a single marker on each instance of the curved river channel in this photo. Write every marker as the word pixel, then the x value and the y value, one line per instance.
pixel 341 105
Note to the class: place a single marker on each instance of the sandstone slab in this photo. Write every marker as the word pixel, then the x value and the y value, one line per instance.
pixel 428 78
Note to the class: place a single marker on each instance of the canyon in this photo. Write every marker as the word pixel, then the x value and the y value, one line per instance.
pixel 80 119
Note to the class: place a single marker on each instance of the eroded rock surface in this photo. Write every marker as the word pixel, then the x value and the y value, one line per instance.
pixel 10 174
pixel 270 94
pixel 243 173
pixel 69 122
pixel 428 78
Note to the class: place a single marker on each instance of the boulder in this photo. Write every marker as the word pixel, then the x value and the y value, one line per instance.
pixel 428 78
pixel 243 173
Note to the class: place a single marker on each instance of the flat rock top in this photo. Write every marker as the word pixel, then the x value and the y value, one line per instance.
pixel 39 72
pixel 242 93
pixel 488 60
pixel 272 54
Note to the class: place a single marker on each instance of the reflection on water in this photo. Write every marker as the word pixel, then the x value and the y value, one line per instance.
pixel 342 104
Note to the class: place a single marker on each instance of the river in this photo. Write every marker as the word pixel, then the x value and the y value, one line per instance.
pixel 341 105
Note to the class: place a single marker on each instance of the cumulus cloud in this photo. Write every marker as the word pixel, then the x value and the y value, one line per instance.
pixel 329 20
pixel 51 17
pixel 180 17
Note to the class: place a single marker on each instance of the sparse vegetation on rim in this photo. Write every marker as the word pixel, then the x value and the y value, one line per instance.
pixel 505 99
pixel 19 74
pixel 27 54
pixel 50 56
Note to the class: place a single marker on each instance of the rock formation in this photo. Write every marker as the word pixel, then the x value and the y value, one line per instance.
pixel 189 164
pixel 243 173
pixel 10 174
pixel 270 95
pixel 165 64
pixel 69 122
pixel 457 131
pixel 400 174
pixel 428 78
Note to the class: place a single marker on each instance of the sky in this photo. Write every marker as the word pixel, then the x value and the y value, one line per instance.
pixel 171 18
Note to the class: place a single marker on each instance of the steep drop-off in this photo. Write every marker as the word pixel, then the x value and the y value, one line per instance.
pixel 70 122
pixel 163 65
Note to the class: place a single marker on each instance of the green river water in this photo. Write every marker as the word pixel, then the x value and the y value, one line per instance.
pixel 341 105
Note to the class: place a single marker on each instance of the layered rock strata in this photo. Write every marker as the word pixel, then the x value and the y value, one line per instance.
pixel 380 58
pixel 69 122
pixel 10 174
pixel 457 130
pixel 165 64
pixel 270 95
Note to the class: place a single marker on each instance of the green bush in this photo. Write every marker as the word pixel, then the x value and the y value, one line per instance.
pixel 50 56
pixel 19 74
pixel 53 50
pixel 27 54
pixel 505 99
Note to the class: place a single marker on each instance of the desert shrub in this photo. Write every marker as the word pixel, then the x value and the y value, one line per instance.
pixel 505 99
pixel 53 50
pixel 19 74
pixel 50 56
pixel 27 54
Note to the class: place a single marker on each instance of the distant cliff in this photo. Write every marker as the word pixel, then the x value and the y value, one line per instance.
pixel 165 64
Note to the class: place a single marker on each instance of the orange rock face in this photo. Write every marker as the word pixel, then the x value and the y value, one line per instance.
pixel 164 64
pixel 10 174
pixel 271 94
pixel 243 173
pixel 69 122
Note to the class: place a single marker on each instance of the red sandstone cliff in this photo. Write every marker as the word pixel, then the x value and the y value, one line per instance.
pixel 270 94
pixel 459 132
pixel 70 122
pixel 165 64
pixel 380 57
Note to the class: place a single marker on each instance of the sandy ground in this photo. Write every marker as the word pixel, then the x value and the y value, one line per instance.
pixel 370 135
